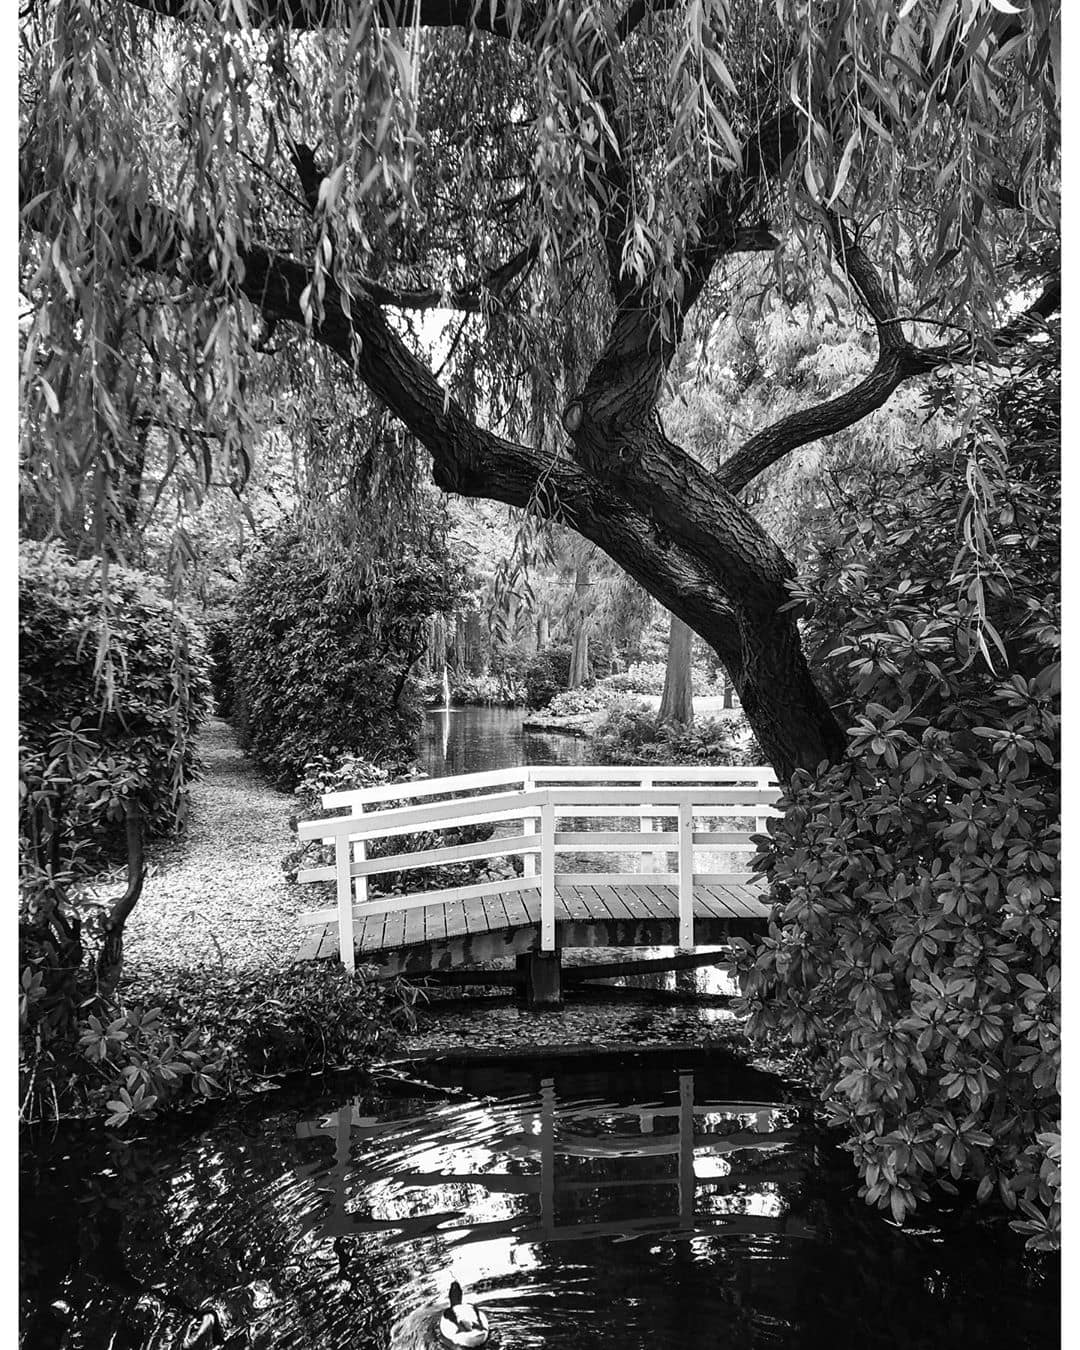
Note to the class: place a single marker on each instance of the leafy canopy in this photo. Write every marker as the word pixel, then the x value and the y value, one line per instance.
pixel 915 938
pixel 506 160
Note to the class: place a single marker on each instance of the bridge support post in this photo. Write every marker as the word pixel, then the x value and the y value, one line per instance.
pixel 541 973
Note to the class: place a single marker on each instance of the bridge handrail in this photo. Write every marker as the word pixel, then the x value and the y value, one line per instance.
pixel 654 793
pixel 536 774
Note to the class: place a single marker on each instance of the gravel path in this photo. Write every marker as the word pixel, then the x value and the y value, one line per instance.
pixel 219 897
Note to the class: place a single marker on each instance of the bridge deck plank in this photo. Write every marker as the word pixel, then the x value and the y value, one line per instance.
pixel 394 931
pixel 626 906
pixel 596 904
pixel 434 922
pixel 517 912
pixel 495 913
pixel 616 905
pixel 743 901
pixel 414 927
pixel 661 901
pixel 706 905
pixel 475 915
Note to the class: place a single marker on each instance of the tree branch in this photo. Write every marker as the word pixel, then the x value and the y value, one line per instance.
pixel 636 14
pixel 468 299
pixel 307 15
pixel 898 360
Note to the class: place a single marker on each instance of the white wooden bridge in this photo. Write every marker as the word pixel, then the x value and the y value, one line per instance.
pixel 703 816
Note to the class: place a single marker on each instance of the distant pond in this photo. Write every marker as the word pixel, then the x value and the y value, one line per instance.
pixel 470 740
pixel 630 1202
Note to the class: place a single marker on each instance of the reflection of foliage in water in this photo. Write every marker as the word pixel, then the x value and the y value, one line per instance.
pixel 244 1214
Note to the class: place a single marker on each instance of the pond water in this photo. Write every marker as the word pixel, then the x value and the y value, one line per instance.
pixel 662 1201
pixel 470 740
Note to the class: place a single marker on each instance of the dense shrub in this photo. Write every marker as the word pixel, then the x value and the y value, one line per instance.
pixel 632 734
pixel 110 694
pixel 179 1037
pixel 582 702
pixel 546 674
pixel 323 655
pixel 643 677
pixel 466 689
pixel 914 943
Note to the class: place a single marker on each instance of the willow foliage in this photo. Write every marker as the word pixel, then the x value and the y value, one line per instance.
pixel 473 155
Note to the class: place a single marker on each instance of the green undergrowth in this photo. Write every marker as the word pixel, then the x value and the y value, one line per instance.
pixel 170 1039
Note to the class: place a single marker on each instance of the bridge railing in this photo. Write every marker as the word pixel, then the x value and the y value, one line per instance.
pixel 539 797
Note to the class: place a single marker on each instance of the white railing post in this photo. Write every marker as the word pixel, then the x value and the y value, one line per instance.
pixel 763 782
pixel 342 855
pixel 547 875
pixel 528 826
pixel 360 855
pixel 648 860
pixel 686 874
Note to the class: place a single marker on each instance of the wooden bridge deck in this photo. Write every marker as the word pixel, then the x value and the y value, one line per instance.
pixel 457 931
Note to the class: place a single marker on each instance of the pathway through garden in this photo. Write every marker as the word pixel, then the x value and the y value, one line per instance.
pixel 219 896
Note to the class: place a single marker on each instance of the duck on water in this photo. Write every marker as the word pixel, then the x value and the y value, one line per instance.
pixel 458 1323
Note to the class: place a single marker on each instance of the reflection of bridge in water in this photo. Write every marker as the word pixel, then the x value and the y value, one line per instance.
pixel 708 1162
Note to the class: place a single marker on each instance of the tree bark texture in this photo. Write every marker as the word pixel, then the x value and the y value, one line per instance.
pixel 677 700
pixel 579 652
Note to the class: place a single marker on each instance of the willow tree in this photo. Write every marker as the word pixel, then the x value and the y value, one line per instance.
pixel 205 185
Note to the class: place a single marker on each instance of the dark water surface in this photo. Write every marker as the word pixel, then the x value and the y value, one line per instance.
pixel 661 1201
pixel 470 740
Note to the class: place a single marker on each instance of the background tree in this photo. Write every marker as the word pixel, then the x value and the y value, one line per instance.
pixel 677 700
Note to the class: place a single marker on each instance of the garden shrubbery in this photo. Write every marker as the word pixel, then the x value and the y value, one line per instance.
pixel 322 655
pixel 633 734
pixel 546 674
pixel 643 677
pixel 589 699
pixel 914 945
pixel 109 700
pixel 175 1038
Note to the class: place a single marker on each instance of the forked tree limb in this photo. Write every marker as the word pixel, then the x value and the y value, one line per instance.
pixel 898 361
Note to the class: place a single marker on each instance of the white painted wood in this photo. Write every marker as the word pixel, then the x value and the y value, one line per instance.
pixel 391 904
pixel 342 861
pixel 547 878
pixel 435 857
pixel 530 825
pixel 651 862
pixel 726 838
pixel 375 824
pixel 618 878
pixel 585 800
pixel 686 875
pixel 753 775
pixel 608 840
pixel 543 774
pixel 359 855
pixel 545 794
pixel 454 784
